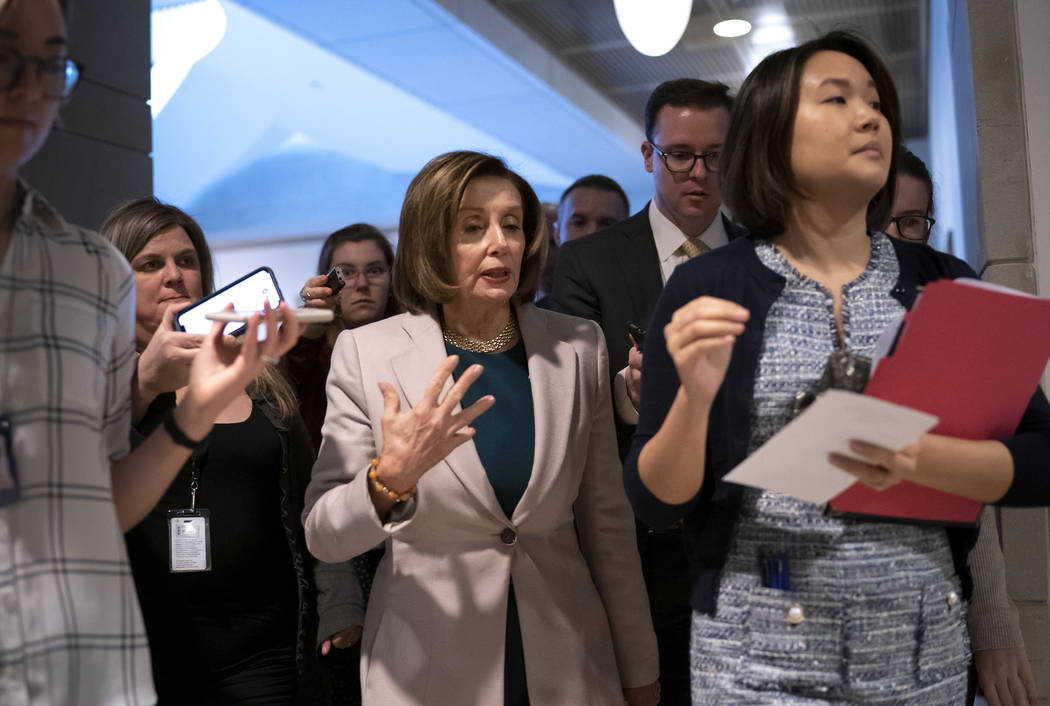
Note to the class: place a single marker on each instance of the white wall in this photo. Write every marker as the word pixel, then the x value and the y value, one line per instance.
pixel 292 262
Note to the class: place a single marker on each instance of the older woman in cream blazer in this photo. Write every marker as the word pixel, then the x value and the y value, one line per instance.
pixel 485 595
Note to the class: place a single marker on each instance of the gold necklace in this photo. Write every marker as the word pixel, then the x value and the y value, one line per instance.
pixel 475 345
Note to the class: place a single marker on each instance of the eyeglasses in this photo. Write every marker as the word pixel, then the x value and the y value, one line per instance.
pixel 913 227
pixel 680 162
pixel 57 77
pixel 372 273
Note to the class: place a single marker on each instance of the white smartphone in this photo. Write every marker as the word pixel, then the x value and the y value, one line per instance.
pixel 307 316
pixel 246 294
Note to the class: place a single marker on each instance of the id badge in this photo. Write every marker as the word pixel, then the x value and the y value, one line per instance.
pixel 10 488
pixel 189 541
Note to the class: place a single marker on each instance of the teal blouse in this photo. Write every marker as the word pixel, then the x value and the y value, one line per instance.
pixel 505 437
pixel 506 434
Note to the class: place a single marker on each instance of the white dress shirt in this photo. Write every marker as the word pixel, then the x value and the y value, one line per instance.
pixel 668 239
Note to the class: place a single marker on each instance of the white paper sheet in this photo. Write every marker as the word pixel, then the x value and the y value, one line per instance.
pixel 795 460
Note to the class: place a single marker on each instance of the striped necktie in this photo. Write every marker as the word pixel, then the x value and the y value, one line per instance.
pixel 693 247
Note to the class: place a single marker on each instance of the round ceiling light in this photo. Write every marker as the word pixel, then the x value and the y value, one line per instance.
pixel 732 28
pixel 653 28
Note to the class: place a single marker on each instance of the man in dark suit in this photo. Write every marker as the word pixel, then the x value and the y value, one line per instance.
pixel 615 277
pixel 590 204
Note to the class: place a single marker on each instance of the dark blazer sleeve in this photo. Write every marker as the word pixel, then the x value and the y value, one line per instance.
pixel 1030 450
pixel 660 382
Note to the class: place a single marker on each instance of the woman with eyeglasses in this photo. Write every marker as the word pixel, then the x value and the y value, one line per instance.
pixel 789 604
pixel 364 258
pixel 71 631
pixel 911 216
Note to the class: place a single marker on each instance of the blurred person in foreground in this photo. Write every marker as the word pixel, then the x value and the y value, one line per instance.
pixel 70 624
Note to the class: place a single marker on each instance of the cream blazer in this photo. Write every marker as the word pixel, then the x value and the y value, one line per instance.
pixel 436 621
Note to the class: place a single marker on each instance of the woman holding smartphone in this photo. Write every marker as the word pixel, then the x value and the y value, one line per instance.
pixel 353 280
pixel 239 625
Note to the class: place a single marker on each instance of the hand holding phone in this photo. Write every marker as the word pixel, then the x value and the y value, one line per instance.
pixel 335 280
pixel 636 333
pixel 306 316
pixel 633 375
pixel 246 294
pixel 320 291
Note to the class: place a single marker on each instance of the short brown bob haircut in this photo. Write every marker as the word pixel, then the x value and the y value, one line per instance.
pixel 757 182
pixel 423 266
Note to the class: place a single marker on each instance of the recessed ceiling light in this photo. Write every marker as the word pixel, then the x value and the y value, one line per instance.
pixel 732 28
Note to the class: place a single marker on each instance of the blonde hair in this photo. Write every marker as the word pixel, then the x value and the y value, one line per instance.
pixel 271 386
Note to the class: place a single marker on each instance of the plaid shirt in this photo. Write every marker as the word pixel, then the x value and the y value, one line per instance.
pixel 70 627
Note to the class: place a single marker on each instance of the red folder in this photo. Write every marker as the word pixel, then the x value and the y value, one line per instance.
pixel 971 355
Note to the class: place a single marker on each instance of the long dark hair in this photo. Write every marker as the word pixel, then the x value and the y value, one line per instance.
pixel 360 233
pixel 357 233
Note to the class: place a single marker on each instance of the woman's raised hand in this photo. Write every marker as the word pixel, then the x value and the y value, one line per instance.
pixel 419 438
pixel 700 339
pixel 316 294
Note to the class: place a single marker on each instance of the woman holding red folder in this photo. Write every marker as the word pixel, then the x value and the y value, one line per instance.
pixel 788 601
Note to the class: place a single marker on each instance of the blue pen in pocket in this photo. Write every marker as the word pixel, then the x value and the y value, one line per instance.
pixel 776 571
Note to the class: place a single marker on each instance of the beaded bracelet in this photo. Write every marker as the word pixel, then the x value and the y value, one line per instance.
pixel 373 476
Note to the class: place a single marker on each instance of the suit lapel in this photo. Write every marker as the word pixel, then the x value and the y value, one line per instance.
pixel 553 369
pixel 640 269
pixel 414 368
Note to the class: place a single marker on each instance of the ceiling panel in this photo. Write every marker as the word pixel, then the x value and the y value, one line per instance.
pixel 327 21
pixel 585 36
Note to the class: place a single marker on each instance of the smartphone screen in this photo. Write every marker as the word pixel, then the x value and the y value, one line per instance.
pixel 246 294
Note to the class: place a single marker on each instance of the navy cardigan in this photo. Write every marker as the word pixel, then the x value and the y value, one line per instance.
pixel 734 272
